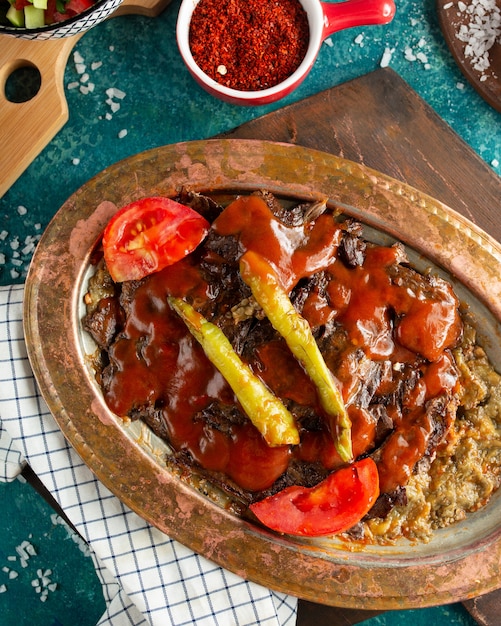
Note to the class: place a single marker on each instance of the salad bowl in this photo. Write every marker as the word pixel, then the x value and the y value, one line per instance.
pixel 77 24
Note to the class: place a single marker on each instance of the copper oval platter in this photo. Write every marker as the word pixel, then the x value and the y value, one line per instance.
pixel 459 563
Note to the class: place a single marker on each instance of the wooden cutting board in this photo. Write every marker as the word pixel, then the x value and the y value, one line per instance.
pixel 22 137
pixel 379 121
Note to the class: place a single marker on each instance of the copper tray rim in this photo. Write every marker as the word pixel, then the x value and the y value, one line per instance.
pixel 314 572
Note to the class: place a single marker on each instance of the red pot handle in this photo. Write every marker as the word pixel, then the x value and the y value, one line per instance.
pixel 341 15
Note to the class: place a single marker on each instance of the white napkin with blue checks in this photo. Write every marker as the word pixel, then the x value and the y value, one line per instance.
pixel 147 577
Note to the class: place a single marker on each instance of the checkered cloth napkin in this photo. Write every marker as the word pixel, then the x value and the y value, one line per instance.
pixel 147 577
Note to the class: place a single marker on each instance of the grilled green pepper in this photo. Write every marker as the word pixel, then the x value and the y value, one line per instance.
pixel 263 408
pixel 267 290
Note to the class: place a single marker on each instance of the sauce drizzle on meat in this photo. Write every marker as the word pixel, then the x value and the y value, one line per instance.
pixel 385 331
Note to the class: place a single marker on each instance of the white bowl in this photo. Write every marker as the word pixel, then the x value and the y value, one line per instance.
pixel 324 19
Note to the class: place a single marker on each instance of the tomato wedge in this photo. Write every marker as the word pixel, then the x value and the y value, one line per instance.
pixel 150 234
pixel 333 506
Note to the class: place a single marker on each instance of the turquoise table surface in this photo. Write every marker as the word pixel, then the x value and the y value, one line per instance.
pixel 155 103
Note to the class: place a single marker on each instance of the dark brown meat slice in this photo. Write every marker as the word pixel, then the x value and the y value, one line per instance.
pixel 153 417
pixel 353 247
pixel 204 205
pixel 104 322
pixel 221 416
pixel 386 501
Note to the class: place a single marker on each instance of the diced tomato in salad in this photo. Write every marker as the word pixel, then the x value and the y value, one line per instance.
pixel 56 11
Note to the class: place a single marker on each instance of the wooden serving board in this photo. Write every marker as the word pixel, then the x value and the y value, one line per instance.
pixel 22 137
pixel 379 121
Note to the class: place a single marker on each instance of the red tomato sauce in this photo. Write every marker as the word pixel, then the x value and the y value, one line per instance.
pixel 395 325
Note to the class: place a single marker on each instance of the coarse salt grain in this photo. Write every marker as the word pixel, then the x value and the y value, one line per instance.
pixel 409 54
pixel 73 85
pixel 28 249
pixel 113 92
pixel 328 42
pixel 387 56
pixel 122 133
pixel 96 65
pixel 75 161
pixel 494 163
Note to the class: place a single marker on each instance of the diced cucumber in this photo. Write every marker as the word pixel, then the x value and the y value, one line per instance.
pixel 33 17
pixel 15 17
pixel 40 4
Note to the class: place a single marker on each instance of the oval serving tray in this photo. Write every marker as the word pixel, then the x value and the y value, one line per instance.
pixel 458 563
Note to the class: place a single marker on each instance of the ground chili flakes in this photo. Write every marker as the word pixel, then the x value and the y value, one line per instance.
pixel 249 45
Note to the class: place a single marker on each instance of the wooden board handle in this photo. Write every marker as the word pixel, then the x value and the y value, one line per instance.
pixel 27 127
